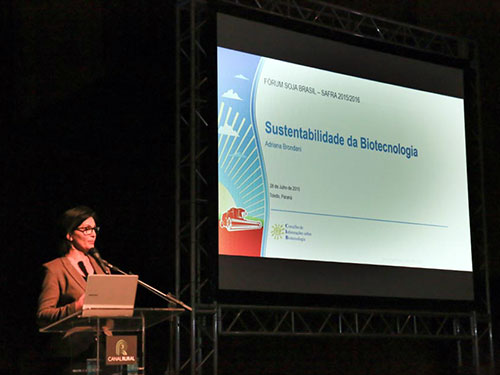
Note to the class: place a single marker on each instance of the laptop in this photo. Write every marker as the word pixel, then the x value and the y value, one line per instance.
pixel 109 295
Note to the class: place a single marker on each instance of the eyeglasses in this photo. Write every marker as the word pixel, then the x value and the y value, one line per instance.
pixel 88 230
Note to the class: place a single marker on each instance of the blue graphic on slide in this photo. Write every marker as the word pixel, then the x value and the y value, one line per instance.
pixel 243 198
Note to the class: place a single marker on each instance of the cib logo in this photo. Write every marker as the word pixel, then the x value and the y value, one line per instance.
pixel 278 231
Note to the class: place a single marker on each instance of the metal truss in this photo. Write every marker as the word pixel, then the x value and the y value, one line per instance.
pixel 471 332
pixel 192 275
pixel 338 19
pixel 483 343
pixel 194 346
pixel 257 320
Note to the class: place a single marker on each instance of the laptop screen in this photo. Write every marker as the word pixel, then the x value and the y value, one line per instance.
pixel 110 295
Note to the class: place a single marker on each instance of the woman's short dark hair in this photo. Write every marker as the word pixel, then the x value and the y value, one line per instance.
pixel 69 221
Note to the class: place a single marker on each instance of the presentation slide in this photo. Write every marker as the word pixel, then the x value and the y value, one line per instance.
pixel 315 165
pixel 326 167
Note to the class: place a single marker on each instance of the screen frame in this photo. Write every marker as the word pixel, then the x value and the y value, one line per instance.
pixel 321 299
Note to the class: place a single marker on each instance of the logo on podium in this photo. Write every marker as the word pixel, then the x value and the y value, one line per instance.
pixel 121 350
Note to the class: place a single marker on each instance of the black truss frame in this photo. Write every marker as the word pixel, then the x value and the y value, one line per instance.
pixel 303 321
pixel 195 335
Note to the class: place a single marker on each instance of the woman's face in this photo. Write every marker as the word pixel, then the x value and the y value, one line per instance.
pixel 81 241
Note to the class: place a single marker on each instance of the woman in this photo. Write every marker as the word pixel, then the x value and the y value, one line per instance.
pixel 64 284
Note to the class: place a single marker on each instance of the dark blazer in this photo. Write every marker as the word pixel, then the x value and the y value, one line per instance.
pixel 61 288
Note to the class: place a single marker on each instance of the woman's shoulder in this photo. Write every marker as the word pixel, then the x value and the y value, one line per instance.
pixel 55 264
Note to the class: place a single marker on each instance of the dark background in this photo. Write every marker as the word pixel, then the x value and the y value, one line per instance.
pixel 87 114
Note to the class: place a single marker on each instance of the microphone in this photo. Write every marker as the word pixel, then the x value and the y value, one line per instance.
pixel 102 263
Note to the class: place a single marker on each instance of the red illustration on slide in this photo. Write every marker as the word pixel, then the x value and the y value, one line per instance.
pixel 234 220
pixel 239 236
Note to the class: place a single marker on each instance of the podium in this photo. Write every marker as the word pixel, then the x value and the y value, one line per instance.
pixel 119 336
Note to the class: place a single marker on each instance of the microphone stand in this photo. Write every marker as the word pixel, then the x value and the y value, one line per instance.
pixel 166 296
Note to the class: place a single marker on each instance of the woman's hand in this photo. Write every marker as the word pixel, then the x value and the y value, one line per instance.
pixel 79 302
